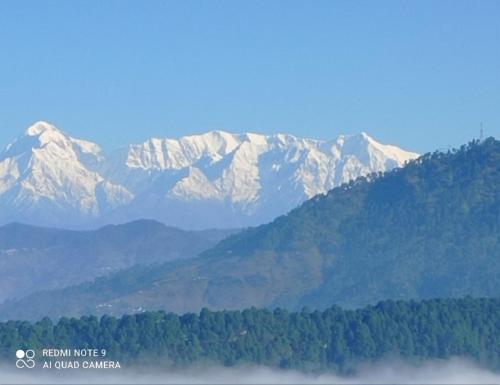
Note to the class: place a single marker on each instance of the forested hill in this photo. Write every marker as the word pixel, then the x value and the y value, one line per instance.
pixel 430 229
pixel 434 191
pixel 334 339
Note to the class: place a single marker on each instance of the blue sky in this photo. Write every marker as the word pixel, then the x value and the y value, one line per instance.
pixel 420 74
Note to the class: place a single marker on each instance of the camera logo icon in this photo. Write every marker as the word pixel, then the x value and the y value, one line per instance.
pixel 25 359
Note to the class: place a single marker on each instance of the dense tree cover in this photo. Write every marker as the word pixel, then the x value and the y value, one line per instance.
pixel 429 229
pixel 334 338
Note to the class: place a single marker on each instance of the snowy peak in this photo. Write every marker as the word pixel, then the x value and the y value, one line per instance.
pixel 41 127
pixel 390 151
pixel 50 178
pixel 47 133
pixel 41 134
pixel 163 154
pixel 214 179
pixel 378 156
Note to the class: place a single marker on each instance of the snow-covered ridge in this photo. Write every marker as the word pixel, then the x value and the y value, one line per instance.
pixel 216 179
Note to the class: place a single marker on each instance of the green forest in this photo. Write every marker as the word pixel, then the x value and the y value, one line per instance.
pixel 335 338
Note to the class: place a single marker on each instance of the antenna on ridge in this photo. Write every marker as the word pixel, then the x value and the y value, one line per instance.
pixel 481 132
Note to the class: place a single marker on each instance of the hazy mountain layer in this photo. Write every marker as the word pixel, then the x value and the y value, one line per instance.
pixel 212 180
pixel 427 230
pixel 34 258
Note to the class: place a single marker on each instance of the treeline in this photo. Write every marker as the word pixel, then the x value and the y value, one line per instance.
pixel 309 340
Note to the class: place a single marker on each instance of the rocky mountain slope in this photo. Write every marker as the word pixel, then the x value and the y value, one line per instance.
pixel 212 180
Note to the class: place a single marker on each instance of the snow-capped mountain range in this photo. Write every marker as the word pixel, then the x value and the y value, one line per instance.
pixel 216 179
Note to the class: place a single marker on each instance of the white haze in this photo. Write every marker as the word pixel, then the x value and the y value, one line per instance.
pixel 454 371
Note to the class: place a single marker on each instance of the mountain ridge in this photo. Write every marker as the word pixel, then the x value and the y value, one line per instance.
pixel 212 180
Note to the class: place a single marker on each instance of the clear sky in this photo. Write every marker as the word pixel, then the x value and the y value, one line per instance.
pixel 420 74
